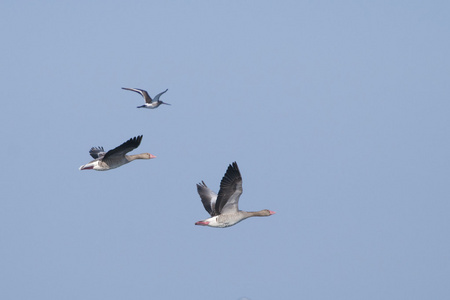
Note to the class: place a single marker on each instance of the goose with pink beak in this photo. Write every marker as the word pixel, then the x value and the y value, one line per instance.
pixel 116 157
pixel 223 207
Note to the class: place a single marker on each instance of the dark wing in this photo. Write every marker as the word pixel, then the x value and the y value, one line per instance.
pixel 97 152
pixel 159 95
pixel 126 147
pixel 230 190
pixel 208 198
pixel 143 93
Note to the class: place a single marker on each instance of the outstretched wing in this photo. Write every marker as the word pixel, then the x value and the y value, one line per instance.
pixel 230 191
pixel 97 152
pixel 126 147
pixel 159 95
pixel 208 198
pixel 143 93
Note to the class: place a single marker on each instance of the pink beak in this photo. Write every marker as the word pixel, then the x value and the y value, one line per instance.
pixel 204 223
pixel 271 212
pixel 152 156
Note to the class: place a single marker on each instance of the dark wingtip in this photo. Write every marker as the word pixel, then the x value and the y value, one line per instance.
pixel 233 167
pixel 231 174
pixel 136 141
pixel 201 184
pixel 139 139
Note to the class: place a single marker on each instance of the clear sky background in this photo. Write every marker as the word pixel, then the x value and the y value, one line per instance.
pixel 337 113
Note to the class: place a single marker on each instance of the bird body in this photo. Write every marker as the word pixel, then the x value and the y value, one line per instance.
pixel 114 162
pixel 149 102
pixel 116 157
pixel 223 207
pixel 227 220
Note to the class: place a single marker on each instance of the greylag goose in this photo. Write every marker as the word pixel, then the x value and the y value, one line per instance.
pixel 223 208
pixel 149 103
pixel 116 157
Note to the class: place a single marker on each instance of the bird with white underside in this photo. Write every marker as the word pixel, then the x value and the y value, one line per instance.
pixel 116 157
pixel 223 207
pixel 149 102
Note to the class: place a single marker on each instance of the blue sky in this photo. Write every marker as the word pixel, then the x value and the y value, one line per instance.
pixel 337 114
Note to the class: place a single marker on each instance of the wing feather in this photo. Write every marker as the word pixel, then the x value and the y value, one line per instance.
pixel 230 190
pixel 97 152
pixel 208 198
pixel 143 93
pixel 159 95
pixel 126 147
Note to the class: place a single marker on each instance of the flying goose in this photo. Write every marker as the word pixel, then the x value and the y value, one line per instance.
pixel 223 208
pixel 116 157
pixel 149 103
